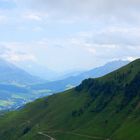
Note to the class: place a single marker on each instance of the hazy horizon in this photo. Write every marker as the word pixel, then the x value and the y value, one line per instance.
pixel 68 35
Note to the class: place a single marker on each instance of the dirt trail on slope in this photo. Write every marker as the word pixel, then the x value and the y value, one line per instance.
pixel 72 133
pixel 43 134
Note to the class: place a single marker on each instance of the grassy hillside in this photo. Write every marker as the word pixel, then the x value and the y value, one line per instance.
pixel 103 108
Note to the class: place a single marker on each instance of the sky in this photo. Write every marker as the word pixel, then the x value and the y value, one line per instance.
pixel 69 35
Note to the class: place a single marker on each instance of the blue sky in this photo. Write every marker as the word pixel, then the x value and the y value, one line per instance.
pixel 69 34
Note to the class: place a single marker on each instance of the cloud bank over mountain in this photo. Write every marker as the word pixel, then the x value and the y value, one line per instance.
pixel 82 32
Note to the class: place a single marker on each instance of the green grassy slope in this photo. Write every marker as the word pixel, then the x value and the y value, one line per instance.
pixel 107 107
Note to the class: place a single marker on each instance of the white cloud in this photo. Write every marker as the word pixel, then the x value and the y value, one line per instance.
pixel 11 53
pixel 17 57
pixel 37 29
pixel 92 50
pixel 130 58
pixel 33 16
pixel 99 30
pixel 111 10
pixel 3 19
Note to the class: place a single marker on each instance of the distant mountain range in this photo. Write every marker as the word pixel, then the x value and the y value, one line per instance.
pixel 72 81
pixel 105 108
pixel 38 70
pixel 18 87
pixel 14 86
pixel 11 74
